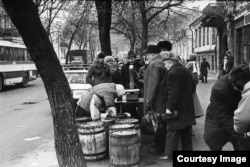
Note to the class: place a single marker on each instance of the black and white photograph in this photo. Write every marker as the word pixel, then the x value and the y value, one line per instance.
pixel 124 83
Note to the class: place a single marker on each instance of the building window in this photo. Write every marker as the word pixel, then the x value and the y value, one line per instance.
pixel 213 36
pixel 196 38
pixel 207 35
pixel 203 36
pixel 199 37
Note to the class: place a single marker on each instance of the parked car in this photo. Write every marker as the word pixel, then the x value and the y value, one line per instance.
pixel 77 82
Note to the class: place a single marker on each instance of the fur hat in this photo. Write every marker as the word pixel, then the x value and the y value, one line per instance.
pixel 240 75
pixel 108 59
pixel 152 49
pixel 131 54
pixel 165 45
pixel 171 56
pixel 101 55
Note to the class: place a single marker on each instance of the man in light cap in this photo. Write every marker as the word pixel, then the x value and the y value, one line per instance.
pixel 100 96
pixel 179 107
pixel 155 81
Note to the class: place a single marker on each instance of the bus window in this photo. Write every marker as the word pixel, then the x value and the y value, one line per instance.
pixel 16 54
pixel 21 53
pixel 2 55
pixel 8 54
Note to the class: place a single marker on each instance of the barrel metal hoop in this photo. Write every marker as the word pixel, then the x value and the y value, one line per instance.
pixel 100 153
pixel 91 133
pixel 127 165
pixel 120 145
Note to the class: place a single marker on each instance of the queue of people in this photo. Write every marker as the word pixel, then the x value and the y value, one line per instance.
pixel 168 86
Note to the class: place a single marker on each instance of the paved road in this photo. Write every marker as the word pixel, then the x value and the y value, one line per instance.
pixel 25 120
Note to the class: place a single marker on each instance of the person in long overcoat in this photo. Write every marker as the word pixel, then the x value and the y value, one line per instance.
pixel 155 81
pixel 224 99
pixel 180 88
pixel 205 66
pixel 98 72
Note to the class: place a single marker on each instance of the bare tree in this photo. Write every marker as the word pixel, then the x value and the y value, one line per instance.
pixel 149 10
pixel 77 23
pixel 24 15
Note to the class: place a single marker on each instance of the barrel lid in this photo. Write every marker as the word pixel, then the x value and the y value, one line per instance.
pixel 83 119
pixel 92 124
pixel 122 126
pixel 118 116
pixel 127 121
pixel 108 120
pixel 124 133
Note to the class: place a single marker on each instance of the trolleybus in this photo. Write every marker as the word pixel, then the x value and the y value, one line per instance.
pixel 16 66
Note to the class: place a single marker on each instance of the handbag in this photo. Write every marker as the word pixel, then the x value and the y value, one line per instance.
pixel 149 123
pixel 197 106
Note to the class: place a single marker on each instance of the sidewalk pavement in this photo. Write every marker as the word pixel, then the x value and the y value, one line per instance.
pixel 45 156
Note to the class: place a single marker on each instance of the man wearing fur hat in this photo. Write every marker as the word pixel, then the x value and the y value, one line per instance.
pixel 115 75
pixel 155 81
pixel 98 72
pixel 224 99
pixel 179 107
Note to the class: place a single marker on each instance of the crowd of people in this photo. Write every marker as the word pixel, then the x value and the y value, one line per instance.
pixel 168 85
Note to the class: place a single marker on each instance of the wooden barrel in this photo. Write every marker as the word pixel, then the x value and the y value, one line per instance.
pixel 131 121
pixel 93 140
pixel 124 149
pixel 120 127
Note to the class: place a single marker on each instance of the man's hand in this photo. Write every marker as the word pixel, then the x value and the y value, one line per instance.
pixel 111 111
pixel 168 112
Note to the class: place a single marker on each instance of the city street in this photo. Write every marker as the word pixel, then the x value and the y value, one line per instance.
pixel 25 120
pixel 27 129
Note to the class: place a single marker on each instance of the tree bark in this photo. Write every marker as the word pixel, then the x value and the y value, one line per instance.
pixel 24 15
pixel 104 13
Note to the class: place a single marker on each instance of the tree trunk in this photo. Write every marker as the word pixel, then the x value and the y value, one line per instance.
pixel 70 43
pixel 144 40
pixel 104 13
pixel 24 15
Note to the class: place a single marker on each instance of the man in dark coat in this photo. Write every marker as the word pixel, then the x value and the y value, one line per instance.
pixel 129 79
pixel 98 72
pixel 180 107
pixel 125 77
pixel 205 66
pixel 155 81
pixel 224 99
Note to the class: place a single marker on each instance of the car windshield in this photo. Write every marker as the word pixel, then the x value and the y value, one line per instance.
pixel 76 77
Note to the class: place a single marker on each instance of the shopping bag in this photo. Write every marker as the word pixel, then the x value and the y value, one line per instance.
pixel 150 123
pixel 197 106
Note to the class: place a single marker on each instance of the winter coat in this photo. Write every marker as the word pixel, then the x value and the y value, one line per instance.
pixel 125 74
pixel 105 91
pixel 242 113
pixel 98 73
pixel 180 88
pixel 194 68
pixel 224 100
pixel 204 67
pixel 115 75
pixel 155 81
